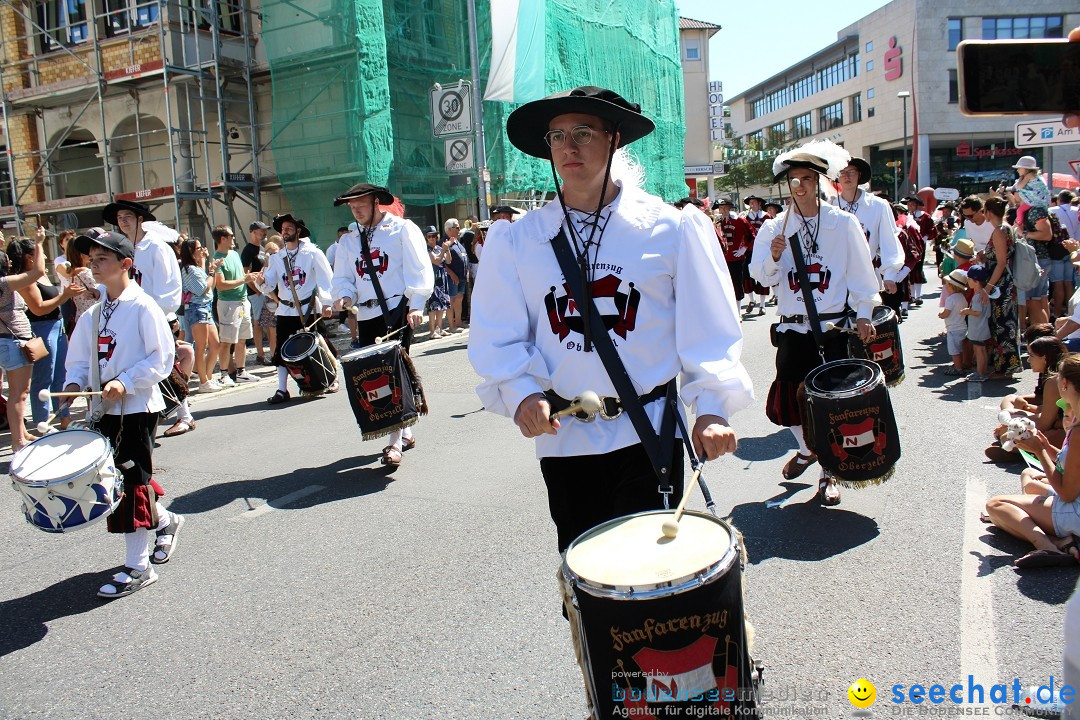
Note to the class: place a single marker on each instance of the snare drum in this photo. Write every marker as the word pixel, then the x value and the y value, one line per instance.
pixel 850 422
pixel 885 349
pixel 309 362
pixel 67 480
pixel 659 622
pixel 384 390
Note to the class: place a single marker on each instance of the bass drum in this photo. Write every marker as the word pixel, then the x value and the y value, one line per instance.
pixel 850 422
pixel 885 349
pixel 658 622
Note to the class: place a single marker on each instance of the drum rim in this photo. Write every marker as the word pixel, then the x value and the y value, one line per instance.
pixel 652 591
pixel 367 350
pixel 309 353
pixel 67 478
pixel 877 377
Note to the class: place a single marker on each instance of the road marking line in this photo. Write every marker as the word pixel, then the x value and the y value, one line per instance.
pixel 978 646
pixel 272 505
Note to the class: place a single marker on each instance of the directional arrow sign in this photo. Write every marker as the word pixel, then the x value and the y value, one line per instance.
pixel 1046 132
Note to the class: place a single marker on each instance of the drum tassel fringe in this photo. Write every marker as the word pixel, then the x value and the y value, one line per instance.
pixel 859 484
pixel 421 405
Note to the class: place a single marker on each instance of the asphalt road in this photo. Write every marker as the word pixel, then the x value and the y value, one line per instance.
pixel 308 583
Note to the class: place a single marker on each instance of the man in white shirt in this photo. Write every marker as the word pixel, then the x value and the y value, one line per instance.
pixel 840 273
pixel 1067 214
pixel 531 342
pixel 390 251
pixel 156 269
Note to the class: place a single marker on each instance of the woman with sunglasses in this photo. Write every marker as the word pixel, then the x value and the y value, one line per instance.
pixel 199 297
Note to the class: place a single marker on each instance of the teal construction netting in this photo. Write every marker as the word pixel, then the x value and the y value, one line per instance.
pixel 351 93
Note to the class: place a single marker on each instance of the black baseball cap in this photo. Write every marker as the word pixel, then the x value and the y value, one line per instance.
pixel 117 242
pixel 258 225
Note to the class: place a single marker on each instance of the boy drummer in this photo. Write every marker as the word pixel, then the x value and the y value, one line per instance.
pixel 133 349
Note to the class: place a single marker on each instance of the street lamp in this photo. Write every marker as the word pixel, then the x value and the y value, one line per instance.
pixel 904 95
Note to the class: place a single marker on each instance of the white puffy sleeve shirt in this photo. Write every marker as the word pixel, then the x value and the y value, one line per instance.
pixel 134 346
pixel 841 271
pixel 156 269
pixel 663 289
pixel 876 218
pixel 399 256
pixel 311 273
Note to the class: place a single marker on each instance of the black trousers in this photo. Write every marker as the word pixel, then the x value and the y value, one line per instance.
pixel 586 490
pixel 368 330
pixel 132 438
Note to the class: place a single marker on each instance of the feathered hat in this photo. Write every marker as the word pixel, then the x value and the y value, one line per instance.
pixel 821 156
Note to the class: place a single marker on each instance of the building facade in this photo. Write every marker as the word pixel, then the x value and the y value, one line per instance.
pixel 703 102
pixel 889 82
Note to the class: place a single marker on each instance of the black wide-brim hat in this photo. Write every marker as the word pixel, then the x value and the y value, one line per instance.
pixel 863 167
pixel 382 195
pixel 283 218
pixel 773 203
pixel 528 124
pixel 140 210
pixel 913 198
pixel 505 209
pixel 746 202
pixel 802 160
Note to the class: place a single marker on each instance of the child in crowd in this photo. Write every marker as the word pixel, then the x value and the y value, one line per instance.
pixel 124 348
pixel 978 320
pixel 955 303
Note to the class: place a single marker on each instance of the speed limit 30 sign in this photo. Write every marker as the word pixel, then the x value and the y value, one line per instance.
pixel 451 110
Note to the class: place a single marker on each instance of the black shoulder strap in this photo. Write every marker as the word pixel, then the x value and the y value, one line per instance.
pixel 365 260
pixel 807 293
pixel 658 448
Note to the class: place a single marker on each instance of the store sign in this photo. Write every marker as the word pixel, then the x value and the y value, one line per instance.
pixel 894 61
pixel 689 170
pixel 965 150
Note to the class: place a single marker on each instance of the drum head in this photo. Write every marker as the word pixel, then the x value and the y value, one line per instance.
pixel 840 377
pixel 370 350
pixel 298 346
pixel 632 551
pixel 58 456
pixel 883 314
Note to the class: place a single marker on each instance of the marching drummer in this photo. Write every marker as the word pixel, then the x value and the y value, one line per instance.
pixel 311 277
pixel 530 341
pixel 840 272
pixel 125 356
pixel 876 219
pixel 383 269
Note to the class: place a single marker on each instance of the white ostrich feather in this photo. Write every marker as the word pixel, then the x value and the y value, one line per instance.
pixel 834 157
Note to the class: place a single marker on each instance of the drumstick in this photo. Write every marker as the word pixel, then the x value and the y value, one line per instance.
pixel 670 528
pixel 381 338
pixel 44 395
pixel 588 402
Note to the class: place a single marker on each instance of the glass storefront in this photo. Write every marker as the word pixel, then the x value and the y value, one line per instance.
pixel 970 166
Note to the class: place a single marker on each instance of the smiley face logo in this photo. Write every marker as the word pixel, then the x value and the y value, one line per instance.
pixel 862 693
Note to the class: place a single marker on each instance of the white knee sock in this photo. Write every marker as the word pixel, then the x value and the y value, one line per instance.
pixel 407 433
pixel 797 431
pixel 395 439
pixel 184 412
pixel 138 549
pixel 163 517
pixel 762 299
pixel 282 378
pixel 916 290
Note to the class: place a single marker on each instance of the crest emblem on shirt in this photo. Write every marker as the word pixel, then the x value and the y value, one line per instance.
pixel 618 309
pixel 819 276
pixel 298 275
pixel 106 344
pixel 379 261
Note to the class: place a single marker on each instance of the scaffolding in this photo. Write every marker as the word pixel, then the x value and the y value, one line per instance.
pixel 121 99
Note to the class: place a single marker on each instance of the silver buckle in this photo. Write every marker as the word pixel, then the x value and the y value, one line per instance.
pixel 603 410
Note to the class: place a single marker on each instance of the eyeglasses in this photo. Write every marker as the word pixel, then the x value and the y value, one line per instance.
pixel 849 173
pixel 581 134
